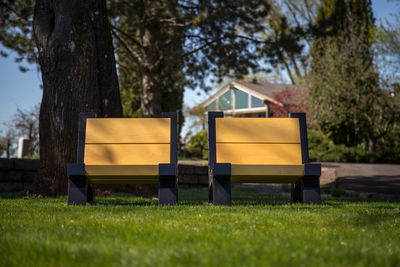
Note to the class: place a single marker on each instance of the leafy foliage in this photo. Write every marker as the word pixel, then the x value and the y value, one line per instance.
pixel 197 117
pixel 323 149
pixel 16 30
pixel 24 123
pixel 149 50
pixel 197 147
pixel 293 100
pixel 164 46
pixel 345 95
pixel 289 28
pixel 8 143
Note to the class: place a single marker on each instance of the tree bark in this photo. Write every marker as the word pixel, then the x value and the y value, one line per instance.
pixel 77 62
pixel 151 93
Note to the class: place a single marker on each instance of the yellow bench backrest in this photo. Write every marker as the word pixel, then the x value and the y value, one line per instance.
pixel 258 141
pixel 127 141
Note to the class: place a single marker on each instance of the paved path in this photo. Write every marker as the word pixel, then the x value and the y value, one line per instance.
pixel 360 180
pixel 368 180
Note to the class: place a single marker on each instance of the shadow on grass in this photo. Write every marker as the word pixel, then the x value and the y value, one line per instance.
pixel 121 199
pixel 240 196
pixel 250 196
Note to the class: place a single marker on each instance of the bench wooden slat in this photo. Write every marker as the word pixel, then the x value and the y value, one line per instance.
pixel 267 170
pixel 274 154
pixel 126 154
pixel 272 179
pixel 125 174
pixel 121 180
pixel 266 173
pixel 257 130
pixel 121 170
pixel 128 130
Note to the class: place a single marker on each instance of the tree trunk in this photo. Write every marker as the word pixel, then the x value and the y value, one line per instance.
pixel 77 61
pixel 372 144
pixel 151 93
pixel 8 153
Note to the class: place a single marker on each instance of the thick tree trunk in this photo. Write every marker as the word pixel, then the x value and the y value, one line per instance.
pixel 78 71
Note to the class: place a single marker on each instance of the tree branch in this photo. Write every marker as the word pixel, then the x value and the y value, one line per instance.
pixel 122 41
pixel 199 48
pixel 126 35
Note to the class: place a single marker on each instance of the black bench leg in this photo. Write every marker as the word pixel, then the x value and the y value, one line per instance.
pixel 210 190
pixel 167 190
pixel 77 190
pixel 296 193
pixel 311 190
pixel 90 193
pixel 221 190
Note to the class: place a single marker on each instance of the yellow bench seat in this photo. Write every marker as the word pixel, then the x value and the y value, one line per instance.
pixel 266 173
pixel 125 151
pixel 260 150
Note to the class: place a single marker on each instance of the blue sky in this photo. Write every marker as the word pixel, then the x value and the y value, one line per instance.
pixel 21 90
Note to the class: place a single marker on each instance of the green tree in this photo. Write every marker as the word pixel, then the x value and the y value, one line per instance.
pixel 289 26
pixel 344 80
pixel 197 117
pixel 16 18
pixel 387 48
pixel 171 44
pixel 168 45
pixel 7 143
pixel 387 58
pixel 149 49
pixel 197 147
pixel 25 123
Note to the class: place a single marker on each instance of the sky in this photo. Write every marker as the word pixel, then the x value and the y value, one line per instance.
pixel 22 90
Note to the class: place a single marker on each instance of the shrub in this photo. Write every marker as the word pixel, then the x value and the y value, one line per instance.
pixel 322 148
pixel 197 147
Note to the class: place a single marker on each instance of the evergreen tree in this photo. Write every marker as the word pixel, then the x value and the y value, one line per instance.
pixel 16 18
pixel 173 44
pixel 345 84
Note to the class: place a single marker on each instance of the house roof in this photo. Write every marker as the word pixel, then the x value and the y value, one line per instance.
pixel 263 90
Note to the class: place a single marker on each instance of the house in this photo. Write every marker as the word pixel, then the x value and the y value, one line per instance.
pixel 246 99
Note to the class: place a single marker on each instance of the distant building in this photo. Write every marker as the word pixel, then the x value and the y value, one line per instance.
pixel 245 99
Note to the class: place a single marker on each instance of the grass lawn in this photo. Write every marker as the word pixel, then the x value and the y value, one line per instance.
pixel 258 230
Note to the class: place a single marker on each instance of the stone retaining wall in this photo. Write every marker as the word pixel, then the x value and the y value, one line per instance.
pixel 191 175
pixel 17 174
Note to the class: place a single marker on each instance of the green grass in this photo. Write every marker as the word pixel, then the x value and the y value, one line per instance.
pixel 258 230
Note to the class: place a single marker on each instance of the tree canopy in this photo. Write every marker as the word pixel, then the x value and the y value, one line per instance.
pixel 347 100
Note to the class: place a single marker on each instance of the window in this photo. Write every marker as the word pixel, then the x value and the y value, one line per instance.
pixel 212 106
pixel 256 102
pixel 225 101
pixel 241 99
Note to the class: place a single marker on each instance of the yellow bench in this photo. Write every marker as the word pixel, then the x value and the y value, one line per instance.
pixel 124 150
pixel 260 150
